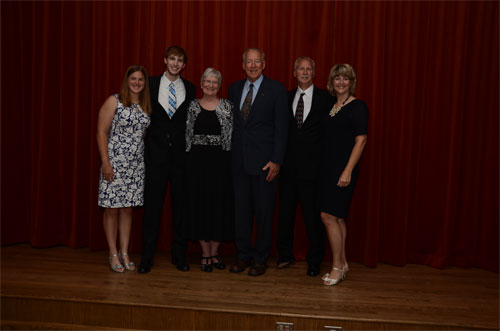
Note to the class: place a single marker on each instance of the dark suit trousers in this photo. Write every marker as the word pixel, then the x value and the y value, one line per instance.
pixel 293 190
pixel 253 195
pixel 157 178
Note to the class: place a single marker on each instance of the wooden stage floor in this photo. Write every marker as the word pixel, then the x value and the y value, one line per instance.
pixel 64 288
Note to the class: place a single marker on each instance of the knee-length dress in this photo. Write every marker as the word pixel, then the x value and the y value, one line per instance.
pixel 126 155
pixel 338 139
pixel 208 212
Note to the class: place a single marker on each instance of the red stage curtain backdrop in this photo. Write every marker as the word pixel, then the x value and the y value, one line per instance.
pixel 428 186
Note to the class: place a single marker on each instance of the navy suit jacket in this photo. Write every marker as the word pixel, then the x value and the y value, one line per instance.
pixel 262 137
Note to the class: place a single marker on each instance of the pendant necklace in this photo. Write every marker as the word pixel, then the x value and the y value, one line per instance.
pixel 336 108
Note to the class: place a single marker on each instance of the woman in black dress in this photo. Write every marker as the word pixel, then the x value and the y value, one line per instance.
pixel 344 137
pixel 208 212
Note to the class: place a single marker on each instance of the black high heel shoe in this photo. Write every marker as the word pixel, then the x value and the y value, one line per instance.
pixel 219 264
pixel 207 266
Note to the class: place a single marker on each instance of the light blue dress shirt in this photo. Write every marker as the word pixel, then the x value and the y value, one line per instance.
pixel 246 87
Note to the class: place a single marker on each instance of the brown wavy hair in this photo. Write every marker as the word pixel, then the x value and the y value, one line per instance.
pixel 144 98
pixel 345 70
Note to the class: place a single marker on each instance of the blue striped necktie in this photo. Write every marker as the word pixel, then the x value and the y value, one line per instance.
pixel 172 100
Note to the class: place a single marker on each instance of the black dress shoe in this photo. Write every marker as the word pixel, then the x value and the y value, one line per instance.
pixel 257 270
pixel 182 267
pixel 313 270
pixel 144 268
pixel 240 266
pixel 284 263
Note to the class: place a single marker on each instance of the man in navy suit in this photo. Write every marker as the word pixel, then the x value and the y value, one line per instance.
pixel 259 143
pixel 165 146
pixel 307 106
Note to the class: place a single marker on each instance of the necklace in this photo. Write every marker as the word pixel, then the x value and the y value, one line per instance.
pixel 336 108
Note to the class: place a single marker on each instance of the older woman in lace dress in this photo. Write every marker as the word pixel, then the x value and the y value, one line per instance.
pixel 208 212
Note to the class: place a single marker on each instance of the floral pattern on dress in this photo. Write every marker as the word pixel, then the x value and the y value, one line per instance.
pixel 126 154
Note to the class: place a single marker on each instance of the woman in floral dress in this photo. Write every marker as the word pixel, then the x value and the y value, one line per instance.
pixel 121 127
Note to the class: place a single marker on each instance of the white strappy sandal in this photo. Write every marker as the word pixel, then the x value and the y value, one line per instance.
pixel 115 267
pixel 128 266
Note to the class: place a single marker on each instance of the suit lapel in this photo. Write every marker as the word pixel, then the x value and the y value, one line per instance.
pixel 155 89
pixel 237 100
pixel 258 97
pixel 239 91
pixel 291 96
pixel 155 93
pixel 189 92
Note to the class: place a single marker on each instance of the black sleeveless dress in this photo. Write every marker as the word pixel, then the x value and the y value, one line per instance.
pixel 338 139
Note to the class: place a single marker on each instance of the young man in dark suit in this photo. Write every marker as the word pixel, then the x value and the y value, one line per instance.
pixel 165 157
pixel 258 149
pixel 307 105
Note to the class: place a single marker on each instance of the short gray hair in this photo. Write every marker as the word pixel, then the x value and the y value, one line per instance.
pixel 300 58
pixel 262 55
pixel 211 72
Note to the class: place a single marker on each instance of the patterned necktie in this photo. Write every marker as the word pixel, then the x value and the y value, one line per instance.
pixel 245 108
pixel 172 100
pixel 299 112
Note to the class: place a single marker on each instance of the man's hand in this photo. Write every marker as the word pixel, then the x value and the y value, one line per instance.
pixel 274 169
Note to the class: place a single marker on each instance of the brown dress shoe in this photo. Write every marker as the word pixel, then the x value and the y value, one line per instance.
pixel 285 263
pixel 257 270
pixel 239 266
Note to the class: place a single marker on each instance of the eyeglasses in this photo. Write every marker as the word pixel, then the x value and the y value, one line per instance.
pixel 211 82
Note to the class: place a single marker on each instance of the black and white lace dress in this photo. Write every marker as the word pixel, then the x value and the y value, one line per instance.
pixel 208 200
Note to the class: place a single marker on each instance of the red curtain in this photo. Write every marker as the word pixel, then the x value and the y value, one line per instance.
pixel 428 186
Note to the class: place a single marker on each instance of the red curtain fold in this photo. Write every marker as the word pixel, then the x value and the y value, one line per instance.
pixel 428 186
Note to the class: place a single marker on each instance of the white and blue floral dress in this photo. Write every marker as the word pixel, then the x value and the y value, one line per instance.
pixel 126 154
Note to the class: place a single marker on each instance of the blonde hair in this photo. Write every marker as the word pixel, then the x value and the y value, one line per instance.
pixel 345 70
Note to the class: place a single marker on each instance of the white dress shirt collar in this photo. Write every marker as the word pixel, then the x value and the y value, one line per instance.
pixel 180 91
pixel 307 98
